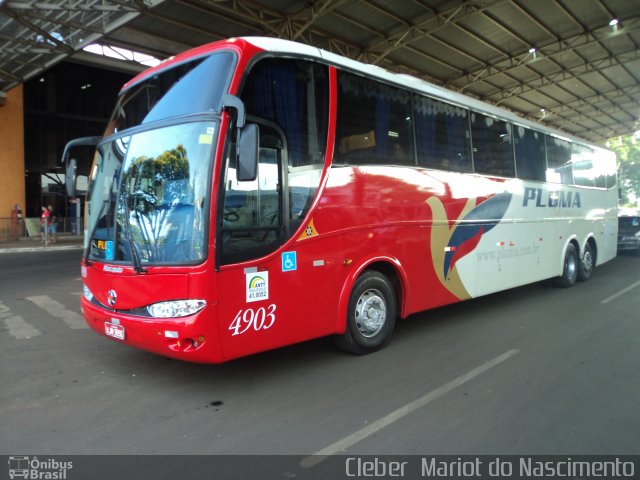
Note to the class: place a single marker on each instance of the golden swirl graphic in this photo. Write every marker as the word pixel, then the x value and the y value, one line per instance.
pixel 440 236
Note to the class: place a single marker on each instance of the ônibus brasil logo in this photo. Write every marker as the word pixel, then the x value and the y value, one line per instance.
pixel 37 469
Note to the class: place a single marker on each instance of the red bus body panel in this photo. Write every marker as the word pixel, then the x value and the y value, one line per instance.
pixel 400 218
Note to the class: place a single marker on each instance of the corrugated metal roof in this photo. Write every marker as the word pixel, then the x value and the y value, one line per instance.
pixel 583 77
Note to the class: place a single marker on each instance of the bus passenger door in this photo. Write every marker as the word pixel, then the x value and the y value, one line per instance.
pixel 261 288
pixel 252 228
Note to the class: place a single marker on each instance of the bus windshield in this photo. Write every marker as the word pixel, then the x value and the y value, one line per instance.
pixel 150 194
pixel 149 188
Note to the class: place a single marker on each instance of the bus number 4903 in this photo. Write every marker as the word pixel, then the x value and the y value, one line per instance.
pixel 260 319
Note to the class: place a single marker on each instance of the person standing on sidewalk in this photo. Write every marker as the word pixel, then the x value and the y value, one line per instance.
pixel 53 224
pixel 44 220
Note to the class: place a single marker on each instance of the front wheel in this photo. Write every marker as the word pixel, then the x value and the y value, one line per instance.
pixel 371 314
pixel 570 268
pixel 587 263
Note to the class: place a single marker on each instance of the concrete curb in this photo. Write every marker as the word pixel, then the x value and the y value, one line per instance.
pixel 13 248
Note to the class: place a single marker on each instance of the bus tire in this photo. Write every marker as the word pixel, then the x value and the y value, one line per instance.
pixel 587 263
pixel 569 269
pixel 371 314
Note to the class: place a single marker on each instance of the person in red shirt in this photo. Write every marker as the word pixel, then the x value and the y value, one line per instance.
pixel 44 220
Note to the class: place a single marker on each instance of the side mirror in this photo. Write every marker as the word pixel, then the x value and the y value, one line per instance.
pixel 71 165
pixel 247 151
pixel 70 178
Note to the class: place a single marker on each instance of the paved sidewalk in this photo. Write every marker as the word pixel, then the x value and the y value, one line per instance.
pixel 32 244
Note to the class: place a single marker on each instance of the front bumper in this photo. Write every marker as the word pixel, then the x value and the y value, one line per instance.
pixel 192 339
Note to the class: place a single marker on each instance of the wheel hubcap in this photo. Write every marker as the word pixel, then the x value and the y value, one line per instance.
pixel 587 261
pixel 371 313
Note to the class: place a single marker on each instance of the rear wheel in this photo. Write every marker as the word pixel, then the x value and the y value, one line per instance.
pixel 371 315
pixel 570 269
pixel 587 263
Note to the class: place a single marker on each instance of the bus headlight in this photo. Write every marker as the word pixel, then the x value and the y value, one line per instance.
pixel 175 308
pixel 88 295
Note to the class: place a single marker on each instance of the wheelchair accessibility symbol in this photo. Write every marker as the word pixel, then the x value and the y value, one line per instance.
pixel 289 261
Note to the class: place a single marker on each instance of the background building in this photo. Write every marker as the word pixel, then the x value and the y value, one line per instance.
pixel 572 65
pixel 65 102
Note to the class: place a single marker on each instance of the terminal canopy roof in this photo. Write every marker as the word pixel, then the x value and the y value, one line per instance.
pixel 571 64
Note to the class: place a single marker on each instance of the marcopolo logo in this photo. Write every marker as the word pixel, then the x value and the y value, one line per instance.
pixel 559 199
pixel 257 286
pixel 38 469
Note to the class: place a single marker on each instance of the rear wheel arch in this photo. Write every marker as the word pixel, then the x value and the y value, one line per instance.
pixel 569 267
pixel 392 270
pixel 397 279
pixel 371 314
pixel 387 266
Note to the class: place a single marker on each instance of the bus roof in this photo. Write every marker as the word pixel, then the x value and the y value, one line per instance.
pixel 282 46
pixel 279 45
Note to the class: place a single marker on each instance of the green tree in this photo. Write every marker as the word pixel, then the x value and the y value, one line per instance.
pixel 627 150
pixel 169 165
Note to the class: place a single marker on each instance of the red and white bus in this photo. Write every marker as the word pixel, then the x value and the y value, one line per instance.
pixel 254 193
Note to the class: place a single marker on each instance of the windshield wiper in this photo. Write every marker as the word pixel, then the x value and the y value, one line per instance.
pixel 133 250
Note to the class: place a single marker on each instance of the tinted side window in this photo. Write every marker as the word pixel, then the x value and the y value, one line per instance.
pixel 558 161
pixel 252 224
pixel 442 135
pixel 492 147
pixel 374 123
pixel 610 168
pixel 587 171
pixel 531 161
pixel 293 95
pixel 288 100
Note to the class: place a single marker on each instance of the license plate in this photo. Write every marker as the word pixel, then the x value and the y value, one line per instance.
pixel 113 330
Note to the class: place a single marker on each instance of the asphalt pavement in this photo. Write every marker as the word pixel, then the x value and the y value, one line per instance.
pixel 530 371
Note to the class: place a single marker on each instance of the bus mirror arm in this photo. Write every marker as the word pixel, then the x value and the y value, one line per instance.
pixel 231 102
pixel 248 138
